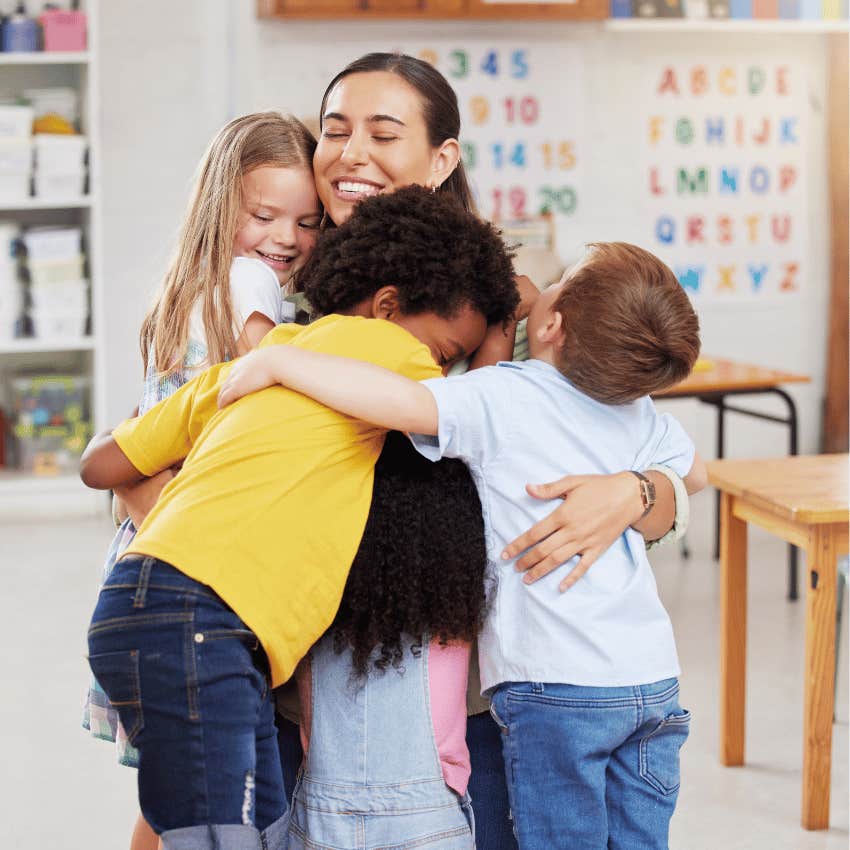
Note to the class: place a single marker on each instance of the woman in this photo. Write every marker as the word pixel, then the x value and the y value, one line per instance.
pixel 387 121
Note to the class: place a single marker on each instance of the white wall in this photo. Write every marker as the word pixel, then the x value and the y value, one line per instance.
pixel 169 87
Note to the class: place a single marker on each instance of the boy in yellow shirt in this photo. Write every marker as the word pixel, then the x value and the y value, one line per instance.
pixel 240 566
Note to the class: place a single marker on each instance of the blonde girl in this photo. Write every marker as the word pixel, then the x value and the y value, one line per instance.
pixel 251 223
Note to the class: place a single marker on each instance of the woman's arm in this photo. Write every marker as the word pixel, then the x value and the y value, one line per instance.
pixel 359 389
pixel 499 342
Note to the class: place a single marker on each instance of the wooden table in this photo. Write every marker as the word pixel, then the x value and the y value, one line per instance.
pixel 712 381
pixel 803 500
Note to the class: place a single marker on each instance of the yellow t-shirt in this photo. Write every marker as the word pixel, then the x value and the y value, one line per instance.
pixel 271 502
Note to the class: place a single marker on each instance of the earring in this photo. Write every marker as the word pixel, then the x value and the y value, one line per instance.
pixel 433 190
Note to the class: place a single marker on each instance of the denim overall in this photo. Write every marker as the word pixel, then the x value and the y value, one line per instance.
pixel 372 777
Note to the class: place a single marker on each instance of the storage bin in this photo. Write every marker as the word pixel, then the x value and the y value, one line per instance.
pixel 56 271
pixel 15 156
pixel 52 243
pixel 15 121
pixel 51 422
pixel 56 99
pixel 68 296
pixel 56 153
pixel 59 187
pixel 59 324
pixel 63 30
pixel 14 187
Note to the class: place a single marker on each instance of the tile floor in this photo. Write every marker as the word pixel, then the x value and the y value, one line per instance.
pixel 63 790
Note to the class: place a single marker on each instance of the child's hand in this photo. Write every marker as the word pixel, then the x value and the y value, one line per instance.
pixel 249 374
pixel 528 294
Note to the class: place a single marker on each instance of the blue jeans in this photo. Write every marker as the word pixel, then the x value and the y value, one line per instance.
pixel 591 768
pixel 188 679
pixel 487 786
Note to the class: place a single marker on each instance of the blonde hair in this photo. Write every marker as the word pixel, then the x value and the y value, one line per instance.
pixel 200 269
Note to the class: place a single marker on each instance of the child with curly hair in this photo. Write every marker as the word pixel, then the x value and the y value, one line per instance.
pixel 204 610
pixel 383 693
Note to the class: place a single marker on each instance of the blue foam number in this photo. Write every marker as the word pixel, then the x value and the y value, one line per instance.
pixel 490 65
pixel 519 64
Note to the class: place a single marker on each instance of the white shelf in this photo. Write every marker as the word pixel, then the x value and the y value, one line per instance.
pixel 56 57
pixel 26 346
pixel 20 483
pixel 724 25
pixel 82 202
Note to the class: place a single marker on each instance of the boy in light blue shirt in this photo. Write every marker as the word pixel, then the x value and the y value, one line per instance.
pixel 584 683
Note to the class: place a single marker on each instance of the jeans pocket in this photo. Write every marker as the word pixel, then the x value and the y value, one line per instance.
pixel 468 813
pixel 118 675
pixel 659 752
pixel 494 711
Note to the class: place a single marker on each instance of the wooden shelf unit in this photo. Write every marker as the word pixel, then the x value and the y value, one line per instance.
pixel 470 10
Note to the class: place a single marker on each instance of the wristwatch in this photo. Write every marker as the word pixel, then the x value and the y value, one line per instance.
pixel 647 492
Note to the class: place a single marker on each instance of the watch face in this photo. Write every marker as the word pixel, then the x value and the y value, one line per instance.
pixel 647 492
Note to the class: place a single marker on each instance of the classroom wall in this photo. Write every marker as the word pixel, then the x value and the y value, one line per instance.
pixel 158 117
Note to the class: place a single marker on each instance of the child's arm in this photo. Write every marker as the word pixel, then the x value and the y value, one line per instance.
pixel 104 466
pixel 255 328
pixel 359 389
pixel 154 442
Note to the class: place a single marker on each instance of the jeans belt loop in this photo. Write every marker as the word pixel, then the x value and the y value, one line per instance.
pixel 144 579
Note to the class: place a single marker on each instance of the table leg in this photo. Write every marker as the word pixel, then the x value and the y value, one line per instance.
pixel 721 422
pixel 733 632
pixel 822 555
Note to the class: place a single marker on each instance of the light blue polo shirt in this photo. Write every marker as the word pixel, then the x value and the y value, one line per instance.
pixel 525 422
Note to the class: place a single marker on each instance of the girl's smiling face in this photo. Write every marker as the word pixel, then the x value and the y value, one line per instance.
pixel 279 220
pixel 374 140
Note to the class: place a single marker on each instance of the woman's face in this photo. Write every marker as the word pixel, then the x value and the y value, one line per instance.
pixel 374 140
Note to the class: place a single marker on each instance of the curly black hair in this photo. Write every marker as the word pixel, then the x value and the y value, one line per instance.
pixel 420 566
pixel 440 257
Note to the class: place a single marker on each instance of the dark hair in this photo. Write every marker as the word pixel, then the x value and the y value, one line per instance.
pixel 420 566
pixel 438 255
pixel 629 327
pixel 439 106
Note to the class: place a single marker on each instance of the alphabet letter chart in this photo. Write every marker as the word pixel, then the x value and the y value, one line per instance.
pixel 724 177
pixel 521 113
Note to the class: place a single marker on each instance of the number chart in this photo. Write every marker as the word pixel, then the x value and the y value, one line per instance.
pixel 724 176
pixel 521 113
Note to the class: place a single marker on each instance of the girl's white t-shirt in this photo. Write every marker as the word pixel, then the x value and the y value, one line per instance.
pixel 254 288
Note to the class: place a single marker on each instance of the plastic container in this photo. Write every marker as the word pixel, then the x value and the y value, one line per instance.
pixel 14 187
pixel 59 324
pixel 63 30
pixel 51 422
pixel 15 156
pixel 43 272
pixel 20 33
pixel 57 100
pixel 71 296
pixel 59 186
pixel 59 154
pixel 15 121
pixel 52 243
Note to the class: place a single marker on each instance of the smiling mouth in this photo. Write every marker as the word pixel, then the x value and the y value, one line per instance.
pixel 355 190
pixel 284 261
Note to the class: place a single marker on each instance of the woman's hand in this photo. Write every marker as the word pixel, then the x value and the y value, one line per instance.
pixel 139 498
pixel 249 374
pixel 597 509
